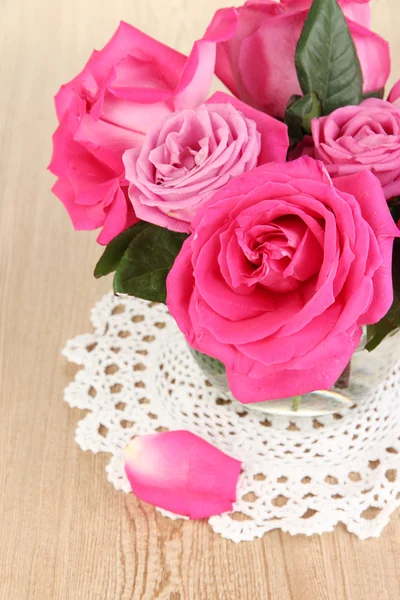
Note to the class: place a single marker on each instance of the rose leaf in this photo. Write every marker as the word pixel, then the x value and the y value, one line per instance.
pixel 144 267
pixel 299 113
pixel 326 58
pixel 115 250
pixel 391 321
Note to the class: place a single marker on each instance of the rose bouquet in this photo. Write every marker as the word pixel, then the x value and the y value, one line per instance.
pixel 265 218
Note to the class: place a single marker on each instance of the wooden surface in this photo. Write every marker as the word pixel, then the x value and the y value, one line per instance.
pixel 65 533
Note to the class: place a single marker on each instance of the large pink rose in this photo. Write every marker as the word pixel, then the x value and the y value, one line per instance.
pixel 256 62
pixel 355 138
pixel 279 274
pixel 189 155
pixel 122 91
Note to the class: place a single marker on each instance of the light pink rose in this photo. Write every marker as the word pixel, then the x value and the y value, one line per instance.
pixel 281 270
pixel 256 60
pixel 180 472
pixel 189 155
pixel 354 138
pixel 123 90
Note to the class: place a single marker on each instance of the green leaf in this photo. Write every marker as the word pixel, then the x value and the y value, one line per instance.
pixel 391 321
pixel 394 207
pixel 377 333
pixel 374 94
pixel 143 269
pixel 326 58
pixel 299 113
pixel 115 250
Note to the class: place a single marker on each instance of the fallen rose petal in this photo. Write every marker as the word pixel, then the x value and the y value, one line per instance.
pixel 182 473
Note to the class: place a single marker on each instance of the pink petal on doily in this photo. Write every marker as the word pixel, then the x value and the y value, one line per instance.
pixel 182 473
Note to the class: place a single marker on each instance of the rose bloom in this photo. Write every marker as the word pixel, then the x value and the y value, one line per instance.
pixel 189 155
pixel 122 91
pixel 354 138
pixel 281 270
pixel 256 58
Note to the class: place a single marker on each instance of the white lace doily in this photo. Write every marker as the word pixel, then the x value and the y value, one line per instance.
pixel 300 475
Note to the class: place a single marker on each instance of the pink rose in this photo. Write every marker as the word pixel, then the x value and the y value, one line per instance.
pixel 355 138
pixel 256 59
pixel 280 272
pixel 189 155
pixel 180 472
pixel 123 90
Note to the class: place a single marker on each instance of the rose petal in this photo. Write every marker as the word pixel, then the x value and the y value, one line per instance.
pixel 374 55
pixel 366 189
pixel 395 94
pixel 182 473
pixel 228 20
pixel 105 141
pixel 128 39
pixel 78 214
pixel 119 217
pixel 274 133
pixel 199 69
pixel 324 366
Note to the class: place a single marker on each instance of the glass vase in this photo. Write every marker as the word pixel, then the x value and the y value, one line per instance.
pixel 364 373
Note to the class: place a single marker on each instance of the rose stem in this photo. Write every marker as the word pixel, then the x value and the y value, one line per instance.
pixel 344 379
pixel 296 403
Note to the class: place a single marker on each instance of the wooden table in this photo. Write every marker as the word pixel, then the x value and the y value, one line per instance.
pixel 65 533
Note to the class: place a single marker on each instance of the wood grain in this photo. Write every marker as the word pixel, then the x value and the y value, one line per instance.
pixel 65 533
